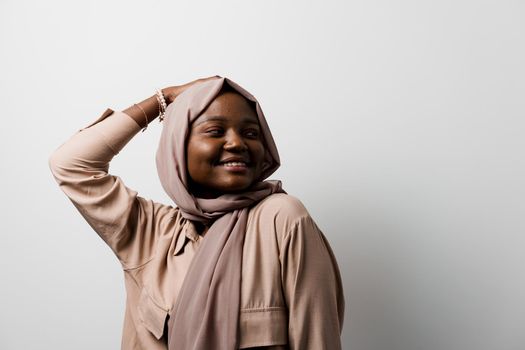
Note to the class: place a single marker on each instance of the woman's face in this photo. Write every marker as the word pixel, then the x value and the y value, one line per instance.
pixel 225 150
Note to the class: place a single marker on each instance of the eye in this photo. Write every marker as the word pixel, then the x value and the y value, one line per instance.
pixel 252 133
pixel 215 131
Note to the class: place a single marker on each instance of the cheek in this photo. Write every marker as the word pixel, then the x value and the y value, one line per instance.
pixel 258 151
pixel 201 152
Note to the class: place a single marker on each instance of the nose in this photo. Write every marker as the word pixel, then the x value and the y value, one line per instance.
pixel 235 142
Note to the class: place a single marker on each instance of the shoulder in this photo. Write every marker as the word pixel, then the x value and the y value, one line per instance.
pixel 280 210
pixel 281 205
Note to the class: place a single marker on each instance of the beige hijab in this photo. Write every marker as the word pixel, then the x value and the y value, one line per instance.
pixel 206 313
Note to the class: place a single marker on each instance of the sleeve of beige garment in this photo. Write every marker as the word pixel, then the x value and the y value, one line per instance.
pixel 125 221
pixel 312 288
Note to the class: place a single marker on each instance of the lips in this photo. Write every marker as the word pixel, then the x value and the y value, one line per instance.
pixel 235 161
pixel 235 164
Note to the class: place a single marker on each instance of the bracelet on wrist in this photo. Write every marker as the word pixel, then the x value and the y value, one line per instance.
pixel 162 104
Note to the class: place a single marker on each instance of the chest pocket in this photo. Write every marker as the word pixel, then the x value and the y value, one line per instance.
pixel 151 314
pixel 263 327
pixel 258 327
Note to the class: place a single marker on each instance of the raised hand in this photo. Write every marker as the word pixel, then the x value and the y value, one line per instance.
pixel 146 111
pixel 171 93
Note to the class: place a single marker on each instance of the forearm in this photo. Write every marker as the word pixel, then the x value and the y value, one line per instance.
pixel 144 111
pixel 113 129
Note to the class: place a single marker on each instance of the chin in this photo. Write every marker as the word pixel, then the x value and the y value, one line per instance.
pixel 235 187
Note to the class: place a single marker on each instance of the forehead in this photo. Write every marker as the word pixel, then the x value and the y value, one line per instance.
pixel 229 106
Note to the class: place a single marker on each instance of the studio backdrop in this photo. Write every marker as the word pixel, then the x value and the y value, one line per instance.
pixel 399 124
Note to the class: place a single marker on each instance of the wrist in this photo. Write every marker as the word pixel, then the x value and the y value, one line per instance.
pixel 170 93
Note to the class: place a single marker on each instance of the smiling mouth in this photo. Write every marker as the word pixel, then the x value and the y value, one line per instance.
pixel 234 164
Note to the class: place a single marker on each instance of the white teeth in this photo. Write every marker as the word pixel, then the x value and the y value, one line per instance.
pixel 234 164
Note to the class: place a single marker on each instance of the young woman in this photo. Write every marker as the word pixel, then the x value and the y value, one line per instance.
pixel 237 263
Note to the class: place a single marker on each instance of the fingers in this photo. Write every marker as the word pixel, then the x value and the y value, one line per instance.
pixel 179 89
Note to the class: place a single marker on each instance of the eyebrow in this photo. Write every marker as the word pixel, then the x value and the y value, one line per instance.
pixel 246 120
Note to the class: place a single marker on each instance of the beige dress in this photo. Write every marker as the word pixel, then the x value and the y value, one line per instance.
pixel 291 291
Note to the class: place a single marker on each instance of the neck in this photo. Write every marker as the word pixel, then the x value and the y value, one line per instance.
pixel 205 193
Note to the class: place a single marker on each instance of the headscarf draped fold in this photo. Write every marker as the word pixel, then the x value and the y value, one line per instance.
pixel 206 313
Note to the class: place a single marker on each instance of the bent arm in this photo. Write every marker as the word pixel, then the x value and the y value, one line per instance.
pixel 128 223
pixel 124 220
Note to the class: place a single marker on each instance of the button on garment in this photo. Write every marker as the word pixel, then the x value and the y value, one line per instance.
pixel 291 291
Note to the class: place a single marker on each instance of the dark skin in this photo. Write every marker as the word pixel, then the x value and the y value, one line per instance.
pixel 225 149
pixel 150 105
pixel 227 130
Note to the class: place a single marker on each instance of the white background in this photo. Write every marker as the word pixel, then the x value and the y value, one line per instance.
pixel 400 126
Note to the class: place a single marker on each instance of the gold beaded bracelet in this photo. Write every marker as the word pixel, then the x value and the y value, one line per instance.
pixel 162 104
